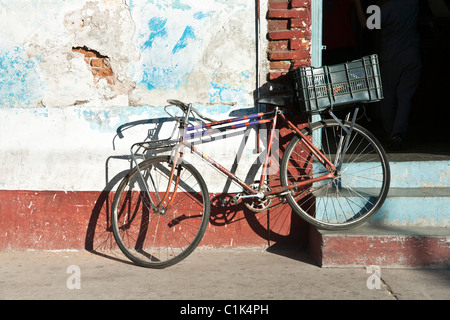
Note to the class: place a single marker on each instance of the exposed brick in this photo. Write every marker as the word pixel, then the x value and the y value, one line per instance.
pixel 301 3
pixel 295 44
pixel 305 15
pixel 284 35
pixel 285 14
pixel 102 72
pixel 87 53
pixel 99 63
pixel 306 34
pixel 275 75
pixel 289 25
pixel 110 80
pixel 301 63
pixel 289 55
pixel 277 25
pixel 280 45
pixel 278 4
pixel 297 23
pixel 280 65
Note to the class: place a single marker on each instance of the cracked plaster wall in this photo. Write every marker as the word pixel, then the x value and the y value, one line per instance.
pixel 72 71
pixel 200 51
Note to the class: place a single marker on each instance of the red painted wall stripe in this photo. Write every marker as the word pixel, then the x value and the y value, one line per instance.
pixel 58 220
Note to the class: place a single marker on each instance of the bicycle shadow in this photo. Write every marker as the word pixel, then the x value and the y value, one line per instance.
pixel 99 238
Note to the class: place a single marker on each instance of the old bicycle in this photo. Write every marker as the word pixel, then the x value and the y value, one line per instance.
pixel 334 173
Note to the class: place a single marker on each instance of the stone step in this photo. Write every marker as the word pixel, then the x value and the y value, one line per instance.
pixel 411 229
pixel 386 246
pixel 420 207
pixel 420 174
pixel 402 207
pixel 419 193
pixel 404 174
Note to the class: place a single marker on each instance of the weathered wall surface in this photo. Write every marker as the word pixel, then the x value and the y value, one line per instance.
pixel 73 71
pixel 201 51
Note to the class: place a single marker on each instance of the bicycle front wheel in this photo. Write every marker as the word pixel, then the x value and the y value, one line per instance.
pixel 359 187
pixel 155 231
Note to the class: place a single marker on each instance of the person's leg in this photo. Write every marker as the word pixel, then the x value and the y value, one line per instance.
pixel 409 81
pixel 390 78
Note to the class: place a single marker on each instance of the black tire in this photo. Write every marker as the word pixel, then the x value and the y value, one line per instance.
pixel 347 200
pixel 158 238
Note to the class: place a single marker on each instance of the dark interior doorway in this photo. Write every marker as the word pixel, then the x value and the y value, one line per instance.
pixel 429 126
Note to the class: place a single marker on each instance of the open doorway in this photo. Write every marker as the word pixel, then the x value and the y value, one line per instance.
pixel 428 130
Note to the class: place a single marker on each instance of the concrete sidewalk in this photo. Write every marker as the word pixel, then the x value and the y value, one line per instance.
pixel 238 274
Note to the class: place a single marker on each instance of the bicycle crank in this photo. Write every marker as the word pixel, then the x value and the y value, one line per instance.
pixel 234 200
pixel 262 203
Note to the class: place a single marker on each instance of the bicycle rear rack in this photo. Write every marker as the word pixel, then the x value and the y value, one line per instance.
pixel 153 145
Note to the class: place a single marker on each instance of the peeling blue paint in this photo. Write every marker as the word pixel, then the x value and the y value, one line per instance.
pixel 172 44
pixel 188 34
pixel 247 75
pixel 224 93
pixel 20 83
pixel 178 5
pixel 158 29
pixel 162 66
pixel 201 15
pixel 161 77
pixel 108 120
pixel 131 4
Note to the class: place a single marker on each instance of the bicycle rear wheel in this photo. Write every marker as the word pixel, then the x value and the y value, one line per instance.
pixel 359 188
pixel 154 234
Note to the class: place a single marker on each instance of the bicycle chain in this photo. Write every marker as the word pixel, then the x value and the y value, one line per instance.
pixel 282 200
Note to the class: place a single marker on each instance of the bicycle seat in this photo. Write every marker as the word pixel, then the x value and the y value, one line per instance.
pixel 276 100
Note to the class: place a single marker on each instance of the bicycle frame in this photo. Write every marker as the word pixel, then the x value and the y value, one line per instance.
pixel 187 131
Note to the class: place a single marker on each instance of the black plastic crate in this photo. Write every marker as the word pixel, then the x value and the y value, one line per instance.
pixel 319 89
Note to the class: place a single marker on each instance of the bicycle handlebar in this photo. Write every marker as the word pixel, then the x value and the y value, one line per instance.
pixel 179 104
pixel 184 107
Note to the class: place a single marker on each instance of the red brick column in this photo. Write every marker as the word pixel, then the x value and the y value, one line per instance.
pixel 289 35
pixel 289 43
